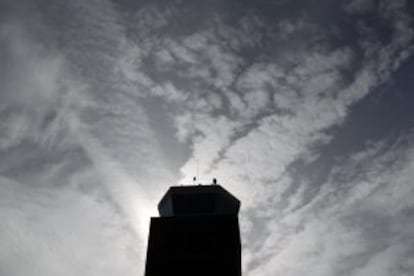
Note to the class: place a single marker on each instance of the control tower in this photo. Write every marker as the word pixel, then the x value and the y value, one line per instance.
pixel 196 234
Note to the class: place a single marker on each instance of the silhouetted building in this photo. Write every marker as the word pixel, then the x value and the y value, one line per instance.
pixel 196 234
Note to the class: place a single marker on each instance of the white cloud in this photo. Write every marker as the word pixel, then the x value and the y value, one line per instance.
pixel 62 232
pixel 349 230
pixel 249 113
pixel 29 81
pixel 75 94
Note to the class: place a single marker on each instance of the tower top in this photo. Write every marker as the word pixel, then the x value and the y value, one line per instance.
pixel 198 200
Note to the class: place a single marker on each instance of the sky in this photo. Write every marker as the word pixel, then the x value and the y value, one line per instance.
pixel 302 109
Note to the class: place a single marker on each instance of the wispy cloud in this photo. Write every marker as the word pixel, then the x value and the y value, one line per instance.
pixel 74 145
pixel 359 218
pixel 105 104
pixel 61 232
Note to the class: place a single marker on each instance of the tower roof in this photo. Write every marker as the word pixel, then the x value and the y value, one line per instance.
pixel 198 200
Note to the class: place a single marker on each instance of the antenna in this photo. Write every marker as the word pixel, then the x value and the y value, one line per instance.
pixel 198 170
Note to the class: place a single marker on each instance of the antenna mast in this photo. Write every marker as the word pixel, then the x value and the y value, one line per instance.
pixel 198 170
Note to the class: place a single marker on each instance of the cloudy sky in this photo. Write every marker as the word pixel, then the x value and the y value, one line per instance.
pixel 302 109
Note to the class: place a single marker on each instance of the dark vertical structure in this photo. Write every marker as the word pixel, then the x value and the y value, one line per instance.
pixel 196 234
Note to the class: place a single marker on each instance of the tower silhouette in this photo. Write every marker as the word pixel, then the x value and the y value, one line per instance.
pixel 196 234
